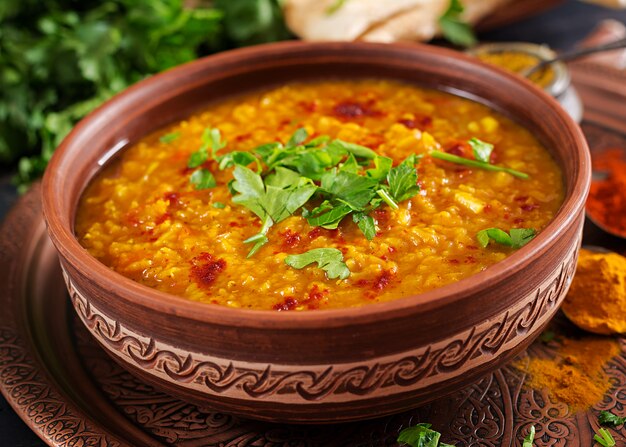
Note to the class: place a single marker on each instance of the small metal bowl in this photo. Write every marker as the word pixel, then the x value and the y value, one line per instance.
pixel 560 87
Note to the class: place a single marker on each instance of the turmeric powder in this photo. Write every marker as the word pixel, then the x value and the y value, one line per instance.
pixel 596 301
pixel 518 62
pixel 576 375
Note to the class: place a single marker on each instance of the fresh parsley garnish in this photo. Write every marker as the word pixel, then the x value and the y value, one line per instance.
pixel 198 158
pixel 382 166
pixel 482 150
pixel 485 165
pixel 345 191
pixel 528 440
pixel 421 435
pixel 355 149
pixel 202 179
pixel 219 205
pixel 604 438
pixel 169 137
pixel 366 225
pixel 610 419
pixel 273 200
pixel 516 238
pixel 298 137
pixel 352 179
pixel 211 138
pixel 328 259
pixel 329 219
pixel 454 28
pixel 403 180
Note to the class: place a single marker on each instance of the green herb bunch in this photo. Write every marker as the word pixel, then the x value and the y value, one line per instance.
pixel 59 59
pixel 344 179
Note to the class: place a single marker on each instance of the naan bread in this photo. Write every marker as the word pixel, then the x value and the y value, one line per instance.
pixel 376 20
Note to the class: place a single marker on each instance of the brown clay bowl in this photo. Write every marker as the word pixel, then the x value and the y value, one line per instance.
pixel 329 365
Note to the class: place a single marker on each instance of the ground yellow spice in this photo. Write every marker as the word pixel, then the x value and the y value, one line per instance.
pixel 575 376
pixel 596 301
pixel 518 62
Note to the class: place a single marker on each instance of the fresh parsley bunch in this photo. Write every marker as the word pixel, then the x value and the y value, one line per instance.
pixel 59 59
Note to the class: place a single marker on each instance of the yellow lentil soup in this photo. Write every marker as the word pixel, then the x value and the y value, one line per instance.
pixel 167 214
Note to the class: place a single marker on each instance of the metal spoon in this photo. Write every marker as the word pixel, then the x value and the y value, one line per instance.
pixel 575 54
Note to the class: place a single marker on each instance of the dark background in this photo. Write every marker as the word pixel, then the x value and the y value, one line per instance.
pixel 560 28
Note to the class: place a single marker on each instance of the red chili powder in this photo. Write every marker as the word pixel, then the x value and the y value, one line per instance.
pixel 204 270
pixel 350 110
pixel 290 239
pixel 607 198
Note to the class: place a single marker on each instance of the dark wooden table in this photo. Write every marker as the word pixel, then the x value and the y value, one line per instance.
pixel 560 28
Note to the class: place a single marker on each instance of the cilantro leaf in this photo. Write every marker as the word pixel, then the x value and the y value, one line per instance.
pixel 366 225
pixel 268 152
pixel 355 149
pixel 272 202
pixel 198 158
pixel 482 150
pixel 349 188
pixel 454 28
pixel 403 182
pixel 610 419
pixel 283 178
pixel 421 435
pixel 168 138
pixel 284 194
pixel 382 167
pixel 330 219
pixel 521 236
pixel 495 234
pixel 318 141
pixel 311 163
pixel 202 179
pixel 604 438
pixel 328 259
pixel 237 158
pixel 528 440
pixel 251 190
pixel 476 164
pixel 298 137
pixel 350 165
pixel 212 137
pixel 517 237
pixel 218 205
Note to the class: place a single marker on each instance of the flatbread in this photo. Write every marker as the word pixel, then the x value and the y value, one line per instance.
pixel 375 20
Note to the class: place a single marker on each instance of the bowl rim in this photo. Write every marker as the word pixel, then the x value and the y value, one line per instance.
pixel 71 251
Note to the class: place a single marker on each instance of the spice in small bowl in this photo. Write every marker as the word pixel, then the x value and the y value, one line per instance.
pixel 518 57
pixel 606 205
pixel 519 62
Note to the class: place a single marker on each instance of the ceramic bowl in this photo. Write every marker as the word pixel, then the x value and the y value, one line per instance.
pixel 327 365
